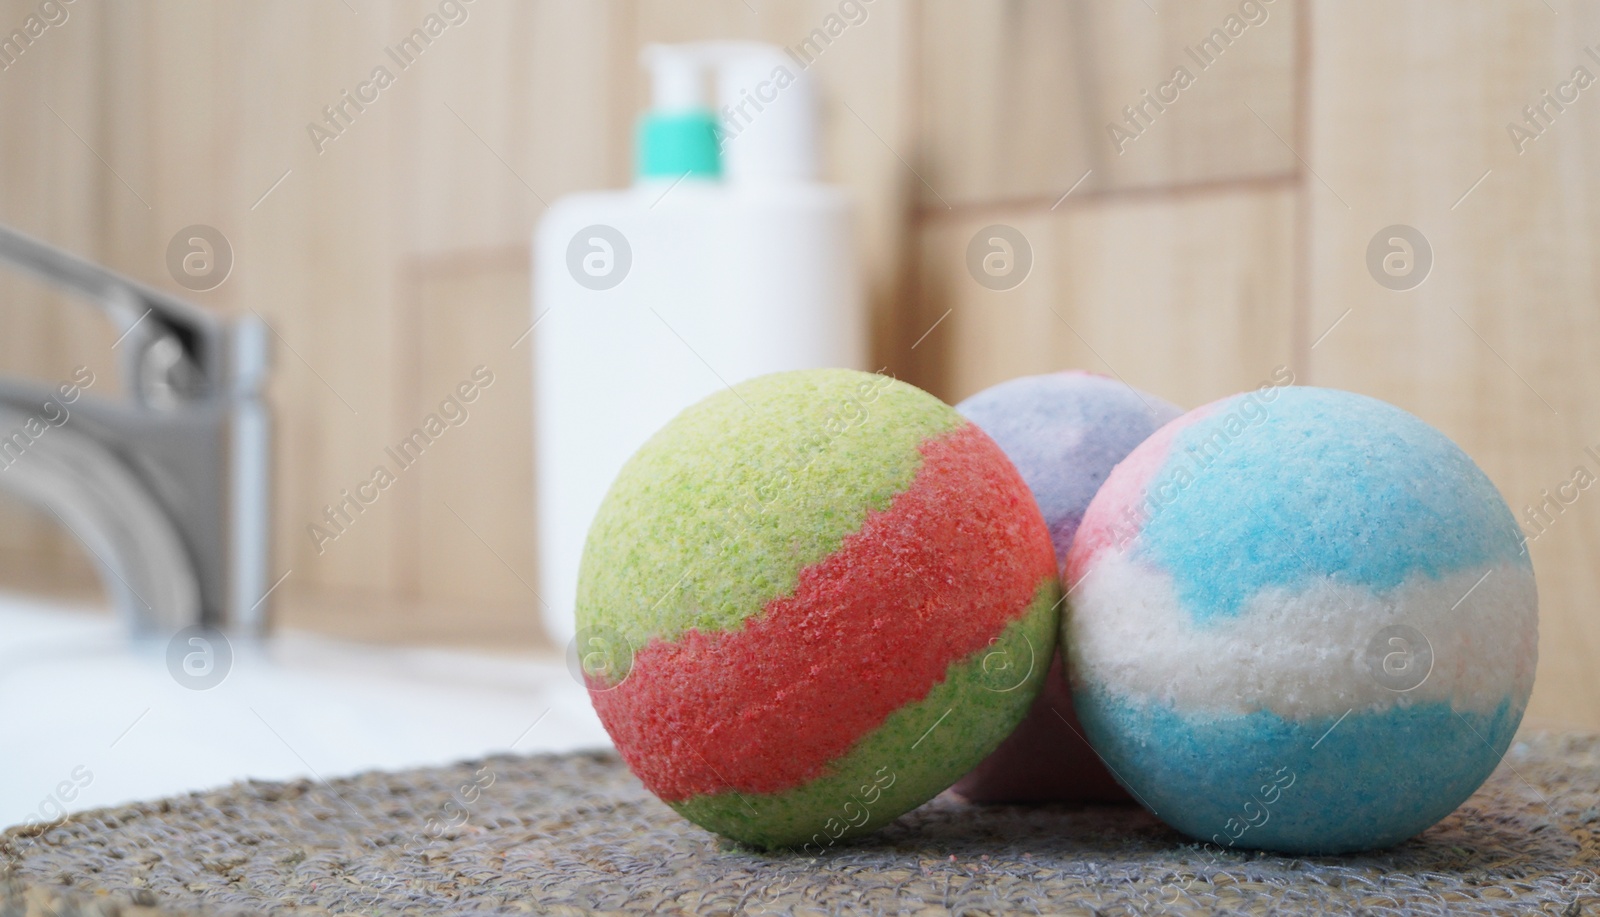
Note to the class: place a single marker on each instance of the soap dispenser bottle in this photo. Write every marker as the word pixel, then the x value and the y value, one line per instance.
pixel 725 260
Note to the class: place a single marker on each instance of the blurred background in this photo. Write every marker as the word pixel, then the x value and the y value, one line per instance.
pixel 1245 220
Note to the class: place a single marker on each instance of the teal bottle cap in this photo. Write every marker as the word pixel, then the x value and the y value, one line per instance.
pixel 679 143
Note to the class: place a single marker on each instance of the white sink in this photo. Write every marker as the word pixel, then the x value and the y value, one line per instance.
pixel 89 717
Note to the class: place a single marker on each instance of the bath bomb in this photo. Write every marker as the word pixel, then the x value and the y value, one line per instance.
pixel 1300 620
pixel 1064 431
pixel 812 602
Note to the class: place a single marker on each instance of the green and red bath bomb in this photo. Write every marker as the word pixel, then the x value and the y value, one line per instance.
pixel 811 603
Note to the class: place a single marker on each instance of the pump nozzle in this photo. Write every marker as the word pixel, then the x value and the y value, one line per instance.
pixel 678 135
pixel 677 79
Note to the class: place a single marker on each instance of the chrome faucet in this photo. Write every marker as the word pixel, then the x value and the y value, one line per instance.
pixel 166 488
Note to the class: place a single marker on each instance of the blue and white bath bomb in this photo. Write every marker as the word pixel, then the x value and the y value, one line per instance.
pixel 1301 620
pixel 1064 432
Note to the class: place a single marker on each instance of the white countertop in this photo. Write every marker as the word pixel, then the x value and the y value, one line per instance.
pixel 89 717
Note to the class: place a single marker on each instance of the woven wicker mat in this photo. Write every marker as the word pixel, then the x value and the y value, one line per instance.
pixel 573 834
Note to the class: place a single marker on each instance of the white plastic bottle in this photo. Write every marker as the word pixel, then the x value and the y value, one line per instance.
pixel 725 260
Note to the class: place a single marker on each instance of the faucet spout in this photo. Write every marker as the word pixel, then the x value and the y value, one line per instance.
pixel 94 495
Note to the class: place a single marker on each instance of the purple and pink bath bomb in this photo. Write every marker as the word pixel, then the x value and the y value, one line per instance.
pixel 1064 432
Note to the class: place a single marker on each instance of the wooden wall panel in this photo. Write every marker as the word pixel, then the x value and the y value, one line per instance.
pixel 473 519
pixel 1187 298
pixel 1019 95
pixel 498 117
pixel 1500 345
pixel 462 510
